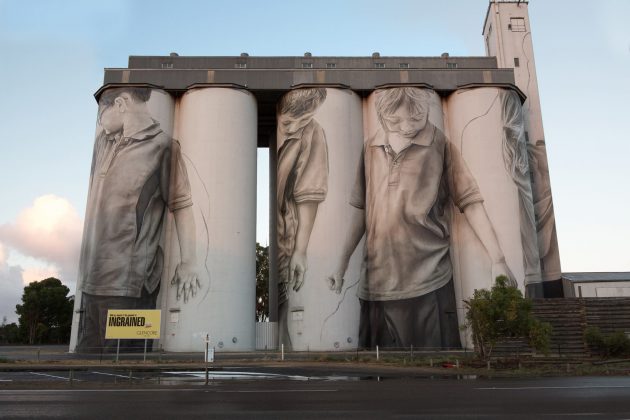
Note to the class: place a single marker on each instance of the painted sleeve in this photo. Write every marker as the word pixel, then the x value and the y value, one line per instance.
pixel 175 184
pixel 311 167
pixel 462 185
pixel 357 198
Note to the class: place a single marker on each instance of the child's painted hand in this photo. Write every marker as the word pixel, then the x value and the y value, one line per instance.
pixel 501 269
pixel 186 280
pixel 297 268
pixel 335 282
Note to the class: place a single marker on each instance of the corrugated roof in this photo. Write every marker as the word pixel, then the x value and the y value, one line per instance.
pixel 597 276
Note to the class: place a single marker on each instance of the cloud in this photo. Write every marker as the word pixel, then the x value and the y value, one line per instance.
pixel 11 287
pixel 49 230
pixel 32 274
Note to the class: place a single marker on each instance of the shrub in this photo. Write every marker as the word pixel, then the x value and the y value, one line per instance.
pixel 503 312
pixel 614 344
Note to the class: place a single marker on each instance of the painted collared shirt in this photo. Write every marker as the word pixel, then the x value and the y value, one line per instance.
pixel 302 177
pixel 134 179
pixel 405 197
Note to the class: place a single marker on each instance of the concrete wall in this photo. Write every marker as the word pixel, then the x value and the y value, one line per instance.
pixel 217 129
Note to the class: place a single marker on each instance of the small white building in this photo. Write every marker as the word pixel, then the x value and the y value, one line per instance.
pixel 601 285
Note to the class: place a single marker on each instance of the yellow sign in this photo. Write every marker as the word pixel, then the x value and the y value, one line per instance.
pixel 133 323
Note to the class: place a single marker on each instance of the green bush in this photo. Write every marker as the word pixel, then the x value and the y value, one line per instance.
pixel 594 338
pixel 503 312
pixel 614 344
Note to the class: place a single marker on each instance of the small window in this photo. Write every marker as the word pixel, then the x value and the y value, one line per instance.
pixel 307 65
pixel 403 65
pixel 240 65
pixel 451 65
pixel 517 62
pixel 379 65
pixel 167 65
pixel 517 25
pixel 331 65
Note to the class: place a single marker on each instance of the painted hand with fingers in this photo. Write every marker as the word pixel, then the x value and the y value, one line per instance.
pixel 187 281
pixel 335 282
pixel 297 269
pixel 500 268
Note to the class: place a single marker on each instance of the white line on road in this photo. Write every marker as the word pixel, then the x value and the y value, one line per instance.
pixel 254 391
pixel 46 391
pixel 553 387
pixel 51 376
pixel 113 374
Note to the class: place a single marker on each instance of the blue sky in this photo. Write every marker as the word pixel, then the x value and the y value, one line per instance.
pixel 54 51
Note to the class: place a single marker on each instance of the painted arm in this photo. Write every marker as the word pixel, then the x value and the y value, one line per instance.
pixel 355 233
pixel 306 212
pixel 186 277
pixel 478 219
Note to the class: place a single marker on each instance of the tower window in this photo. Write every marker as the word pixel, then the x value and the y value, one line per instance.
pixel 240 65
pixel 379 65
pixel 517 25
pixel 517 62
pixel 307 65
pixel 451 65
pixel 331 65
pixel 403 65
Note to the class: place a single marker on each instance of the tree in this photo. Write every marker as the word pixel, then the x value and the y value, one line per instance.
pixel 262 282
pixel 9 333
pixel 45 315
pixel 503 312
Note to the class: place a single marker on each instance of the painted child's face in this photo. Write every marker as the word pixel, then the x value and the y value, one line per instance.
pixel 405 122
pixel 289 125
pixel 110 118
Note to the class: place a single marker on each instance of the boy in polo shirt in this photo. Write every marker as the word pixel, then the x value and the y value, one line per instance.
pixel 137 174
pixel 407 173
pixel 302 185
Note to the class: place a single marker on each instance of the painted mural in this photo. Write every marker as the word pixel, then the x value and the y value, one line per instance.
pixel 408 174
pixel 391 210
pixel 302 179
pixel 515 158
pixel 138 175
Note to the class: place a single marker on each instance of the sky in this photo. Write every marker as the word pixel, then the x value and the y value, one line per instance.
pixel 53 53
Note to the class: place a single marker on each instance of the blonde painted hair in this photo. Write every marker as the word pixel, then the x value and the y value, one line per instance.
pixel 301 101
pixel 389 100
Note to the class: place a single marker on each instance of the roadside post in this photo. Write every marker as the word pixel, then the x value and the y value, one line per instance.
pixel 209 357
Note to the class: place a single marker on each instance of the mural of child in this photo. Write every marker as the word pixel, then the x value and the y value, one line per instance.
pixel 137 174
pixel 302 180
pixel 407 173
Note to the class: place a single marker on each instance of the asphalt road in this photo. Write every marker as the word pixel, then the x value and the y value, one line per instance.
pixel 323 398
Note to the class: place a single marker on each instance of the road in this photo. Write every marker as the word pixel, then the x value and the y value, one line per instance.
pixel 324 397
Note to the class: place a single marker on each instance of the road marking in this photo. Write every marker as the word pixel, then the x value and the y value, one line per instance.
pixel 113 374
pixel 554 387
pixel 255 391
pixel 238 375
pixel 46 391
pixel 52 376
